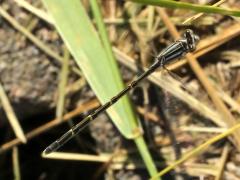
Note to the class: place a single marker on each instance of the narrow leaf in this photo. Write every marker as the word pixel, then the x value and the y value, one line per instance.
pixel 189 6
pixel 101 72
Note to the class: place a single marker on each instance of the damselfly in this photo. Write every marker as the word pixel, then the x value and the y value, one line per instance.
pixel 174 51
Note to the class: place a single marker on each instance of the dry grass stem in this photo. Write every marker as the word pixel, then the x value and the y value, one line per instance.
pixel 16 164
pixel 77 157
pixel 196 169
pixel 39 13
pixel 11 116
pixel 235 106
pixel 193 18
pixel 104 158
pixel 62 85
pixel 201 172
pixel 222 162
pixel 203 129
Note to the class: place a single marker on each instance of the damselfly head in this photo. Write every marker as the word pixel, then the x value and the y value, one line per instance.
pixel 192 39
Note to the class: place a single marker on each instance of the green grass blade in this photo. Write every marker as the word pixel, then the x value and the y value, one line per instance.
pixel 143 150
pixel 84 44
pixel 101 28
pixel 189 6
pixel 97 65
pixel 108 49
pixel 141 145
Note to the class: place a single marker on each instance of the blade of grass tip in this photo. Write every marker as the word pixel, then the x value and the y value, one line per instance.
pixel 193 18
pixel 196 151
pixel 39 13
pixel 16 164
pixel 11 115
pixel 189 6
pixel 62 84
pixel 142 147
